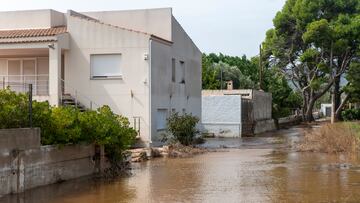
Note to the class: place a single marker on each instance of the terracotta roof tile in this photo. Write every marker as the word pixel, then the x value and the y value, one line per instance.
pixel 10 34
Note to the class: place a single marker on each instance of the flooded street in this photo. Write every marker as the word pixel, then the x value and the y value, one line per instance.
pixel 249 170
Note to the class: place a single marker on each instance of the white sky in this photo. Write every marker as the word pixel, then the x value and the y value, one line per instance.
pixel 233 27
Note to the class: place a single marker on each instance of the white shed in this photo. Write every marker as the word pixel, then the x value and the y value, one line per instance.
pixel 221 115
pixel 326 110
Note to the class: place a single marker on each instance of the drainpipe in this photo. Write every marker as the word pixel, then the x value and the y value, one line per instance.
pixel 149 83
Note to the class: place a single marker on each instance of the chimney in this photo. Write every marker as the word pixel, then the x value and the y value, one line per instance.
pixel 229 85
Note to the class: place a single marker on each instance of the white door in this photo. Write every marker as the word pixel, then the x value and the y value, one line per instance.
pixel 29 73
pixel 14 75
pixel 3 73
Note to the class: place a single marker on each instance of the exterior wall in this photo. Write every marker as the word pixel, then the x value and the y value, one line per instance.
pixel 31 19
pixel 25 166
pixel 128 96
pixel 221 115
pixel 166 94
pixel 154 21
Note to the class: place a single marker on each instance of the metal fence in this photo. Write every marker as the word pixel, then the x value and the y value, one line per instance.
pixel 20 83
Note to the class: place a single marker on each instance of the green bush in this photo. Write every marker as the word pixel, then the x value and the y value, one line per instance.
pixel 351 114
pixel 14 111
pixel 183 127
pixel 103 127
pixel 67 125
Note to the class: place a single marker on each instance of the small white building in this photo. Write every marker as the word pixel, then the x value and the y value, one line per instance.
pixel 141 63
pixel 326 110
pixel 233 113
pixel 221 115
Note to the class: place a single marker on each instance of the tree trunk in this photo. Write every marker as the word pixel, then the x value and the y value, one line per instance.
pixel 304 106
pixel 309 111
pixel 337 98
pixel 340 108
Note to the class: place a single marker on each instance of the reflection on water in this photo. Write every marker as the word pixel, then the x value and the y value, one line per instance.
pixel 237 175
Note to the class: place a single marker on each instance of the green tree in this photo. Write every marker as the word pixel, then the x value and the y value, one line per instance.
pixel 352 89
pixel 313 43
pixel 238 69
pixel 245 75
pixel 209 75
pixel 285 99
pixel 240 81
pixel 183 127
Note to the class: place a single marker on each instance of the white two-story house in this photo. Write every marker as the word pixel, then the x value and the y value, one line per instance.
pixel 139 62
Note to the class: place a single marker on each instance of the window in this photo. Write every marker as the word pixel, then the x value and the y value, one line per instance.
pixel 161 119
pixel 173 70
pixel 182 71
pixel 105 66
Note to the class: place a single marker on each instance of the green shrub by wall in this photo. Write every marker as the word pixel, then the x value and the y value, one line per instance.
pixel 67 125
pixel 351 114
pixel 183 127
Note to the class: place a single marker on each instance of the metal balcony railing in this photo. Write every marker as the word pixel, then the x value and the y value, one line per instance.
pixel 20 83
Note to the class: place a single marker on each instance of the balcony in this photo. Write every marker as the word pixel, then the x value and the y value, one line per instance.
pixel 20 83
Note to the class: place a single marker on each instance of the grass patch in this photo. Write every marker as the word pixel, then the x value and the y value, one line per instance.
pixel 333 138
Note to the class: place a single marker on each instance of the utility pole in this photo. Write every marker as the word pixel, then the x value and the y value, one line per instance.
pixel 260 70
pixel 333 107
pixel 221 78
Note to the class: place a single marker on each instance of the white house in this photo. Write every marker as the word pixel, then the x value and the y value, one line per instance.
pixel 139 62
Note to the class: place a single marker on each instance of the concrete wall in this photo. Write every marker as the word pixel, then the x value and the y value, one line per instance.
pixel 31 19
pixel 262 105
pixel 25 166
pixel 21 139
pixel 128 95
pixel 166 94
pixel 264 126
pixel 221 115
pixel 154 21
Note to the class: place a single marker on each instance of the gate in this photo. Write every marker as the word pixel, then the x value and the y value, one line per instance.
pixel 247 120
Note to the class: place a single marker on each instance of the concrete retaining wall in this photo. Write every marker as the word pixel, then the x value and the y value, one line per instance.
pixel 24 166
pixel 21 139
pixel 264 126
pixel 289 121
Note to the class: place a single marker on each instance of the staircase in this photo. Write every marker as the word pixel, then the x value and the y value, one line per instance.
pixel 68 100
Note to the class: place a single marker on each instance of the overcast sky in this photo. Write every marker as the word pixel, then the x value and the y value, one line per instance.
pixel 233 27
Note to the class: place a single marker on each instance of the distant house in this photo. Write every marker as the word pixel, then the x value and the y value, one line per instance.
pixel 139 62
pixel 326 110
pixel 234 113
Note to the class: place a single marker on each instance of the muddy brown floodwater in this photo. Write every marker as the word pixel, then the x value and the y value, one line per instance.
pixel 260 169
